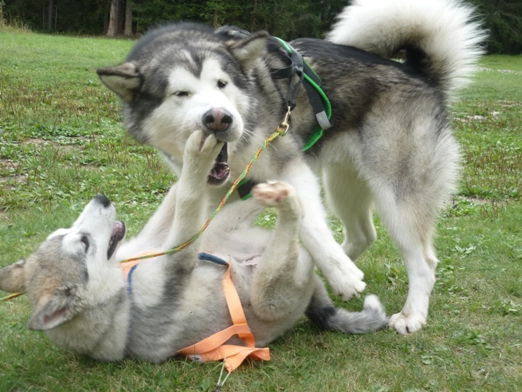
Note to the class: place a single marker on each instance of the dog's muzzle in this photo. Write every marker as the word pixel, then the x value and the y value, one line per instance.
pixel 218 121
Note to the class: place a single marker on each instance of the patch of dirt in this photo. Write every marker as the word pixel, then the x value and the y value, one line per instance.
pixel 4 219
pixel 39 142
pixel 481 202
pixel 508 104
pixel 477 117
pixel 504 71
pixel 10 166
pixel 63 147
pixel 5 164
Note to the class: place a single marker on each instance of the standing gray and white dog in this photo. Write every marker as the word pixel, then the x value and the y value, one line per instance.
pixel 85 304
pixel 390 146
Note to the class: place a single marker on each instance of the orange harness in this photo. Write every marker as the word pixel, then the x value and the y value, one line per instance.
pixel 214 348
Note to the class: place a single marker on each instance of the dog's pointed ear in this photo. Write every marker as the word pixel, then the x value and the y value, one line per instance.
pixel 54 310
pixel 125 80
pixel 249 49
pixel 12 278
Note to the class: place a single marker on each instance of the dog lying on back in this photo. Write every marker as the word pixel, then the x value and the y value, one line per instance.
pixel 83 301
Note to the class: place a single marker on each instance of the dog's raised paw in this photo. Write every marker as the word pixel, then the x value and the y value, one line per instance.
pixel 200 142
pixel 271 194
pixel 202 149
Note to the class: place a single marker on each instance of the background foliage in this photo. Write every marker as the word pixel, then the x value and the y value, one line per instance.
pixel 287 19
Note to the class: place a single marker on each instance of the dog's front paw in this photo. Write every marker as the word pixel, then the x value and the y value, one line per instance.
pixel 271 194
pixel 201 150
pixel 201 143
pixel 347 286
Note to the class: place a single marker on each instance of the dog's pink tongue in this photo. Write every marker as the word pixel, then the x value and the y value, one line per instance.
pixel 118 233
pixel 219 170
pixel 119 227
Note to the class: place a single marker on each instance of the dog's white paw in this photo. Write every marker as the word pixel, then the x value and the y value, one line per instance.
pixel 354 271
pixel 346 287
pixel 201 143
pixel 201 150
pixel 407 324
pixel 345 279
pixel 271 194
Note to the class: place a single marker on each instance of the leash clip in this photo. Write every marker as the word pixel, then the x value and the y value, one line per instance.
pixel 283 127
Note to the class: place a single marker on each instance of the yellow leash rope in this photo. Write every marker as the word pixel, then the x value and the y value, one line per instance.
pixel 9 297
pixel 280 131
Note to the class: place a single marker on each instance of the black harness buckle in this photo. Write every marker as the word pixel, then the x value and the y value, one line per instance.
pixel 298 68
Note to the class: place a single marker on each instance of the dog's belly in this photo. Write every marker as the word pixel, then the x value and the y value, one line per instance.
pixel 248 260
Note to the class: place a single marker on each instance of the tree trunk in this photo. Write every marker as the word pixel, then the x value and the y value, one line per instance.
pixel 50 18
pixel 128 19
pixel 114 18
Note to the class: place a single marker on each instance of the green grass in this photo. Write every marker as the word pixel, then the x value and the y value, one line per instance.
pixel 489 128
pixel 60 133
pixel 61 142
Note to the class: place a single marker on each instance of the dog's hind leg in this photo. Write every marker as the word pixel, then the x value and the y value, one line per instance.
pixel 410 176
pixel 410 223
pixel 420 261
pixel 281 281
pixel 325 315
pixel 350 199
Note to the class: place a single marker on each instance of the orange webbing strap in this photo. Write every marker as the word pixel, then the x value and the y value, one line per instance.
pixel 213 349
pixel 127 266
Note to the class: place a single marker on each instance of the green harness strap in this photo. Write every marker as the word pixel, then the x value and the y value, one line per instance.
pixel 314 81
pixel 321 106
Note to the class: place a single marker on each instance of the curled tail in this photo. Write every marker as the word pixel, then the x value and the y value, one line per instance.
pixel 441 37
pixel 322 312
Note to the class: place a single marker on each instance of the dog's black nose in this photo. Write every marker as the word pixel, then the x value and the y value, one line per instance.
pixel 102 199
pixel 217 120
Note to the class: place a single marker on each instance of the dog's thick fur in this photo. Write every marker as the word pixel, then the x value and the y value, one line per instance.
pixel 391 144
pixel 82 300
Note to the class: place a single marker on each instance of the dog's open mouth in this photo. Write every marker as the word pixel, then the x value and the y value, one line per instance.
pixel 220 171
pixel 118 233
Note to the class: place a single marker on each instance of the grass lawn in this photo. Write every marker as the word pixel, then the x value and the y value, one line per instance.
pixel 61 142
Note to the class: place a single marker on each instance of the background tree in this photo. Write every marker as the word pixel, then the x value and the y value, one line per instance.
pixel 503 19
pixel 114 18
pixel 120 18
pixel 127 31
pixel 285 18
pixel 50 15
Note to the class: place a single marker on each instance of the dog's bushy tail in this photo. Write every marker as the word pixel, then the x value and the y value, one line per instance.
pixel 326 316
pixel 440 37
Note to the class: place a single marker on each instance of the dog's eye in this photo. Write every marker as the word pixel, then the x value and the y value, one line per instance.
pixel 181 94
pixel 85 242
pixel 221 84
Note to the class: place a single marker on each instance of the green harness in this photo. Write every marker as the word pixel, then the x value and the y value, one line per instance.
pixel 305 75
pixel 312 83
